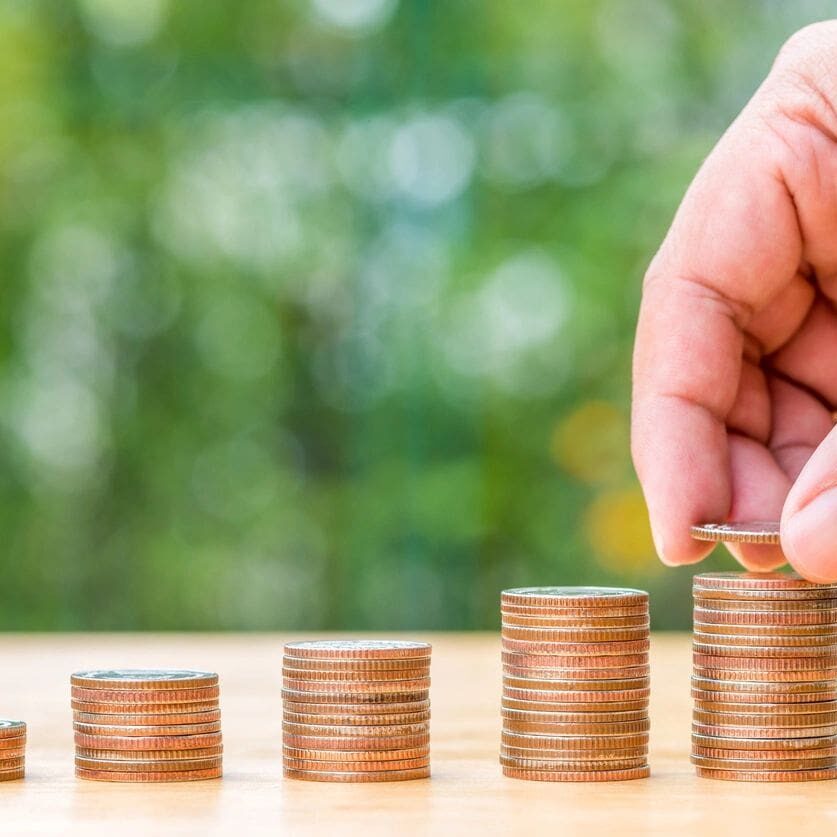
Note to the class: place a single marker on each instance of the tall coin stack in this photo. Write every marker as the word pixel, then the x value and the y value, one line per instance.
pixel 575 684
pixel 134 725
pixel 764 687
pixel 12 750
pixel 356 710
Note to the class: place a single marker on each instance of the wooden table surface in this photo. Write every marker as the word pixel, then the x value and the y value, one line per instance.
pixel 467 793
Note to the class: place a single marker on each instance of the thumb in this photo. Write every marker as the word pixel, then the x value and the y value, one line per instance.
pixel 809 518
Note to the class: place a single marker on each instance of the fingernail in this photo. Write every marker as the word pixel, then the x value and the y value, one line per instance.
pixel 809 538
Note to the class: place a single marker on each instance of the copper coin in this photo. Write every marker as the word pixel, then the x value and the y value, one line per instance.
pixel 355 766
pixel 345 699
pixel 774 744
pixel 754 644
pixel 574 596
pixel 756 531
pixel 133 679
pixel 356 720
pixel 128 731
pixel 516 620
pixel 538 684
pixel 760 732
pixel 590 728
pixel 631 706
pixel 800 621
pixel 304 708
pixel 577 775
pixel 358 648
pixel 12 763
pixel 379 676
pixel 345 731
pixel 11 729
pixel 603 753
pixel 706 595
pixel 797 721
pixel 513 658
pixel 12 753
pixel 768 775
pixel 356 742
pixel 564 764
pixel 756 630
pixel 560 612
pixel 139 708
pixel 765 755
pixel 148 742
pixel 570 696
pixel 380 776
pixel 765 676
pixel 149 766
pixel 787 702
pixel 202 695
pixel 778 764
pixel 9 775
pixel 576 674
pixel 766 708
pixel 366 664
pixel 574 649
pixel 145 719
pixel 160 776
pixel 575 635
pixel 809 652
pixel 573 717
pixel 13 742
pixel 783 582
pixel 768 605
pixel 580 742
pixel 820 689
pixel 355 755
pixel 348 687
pixel 149 755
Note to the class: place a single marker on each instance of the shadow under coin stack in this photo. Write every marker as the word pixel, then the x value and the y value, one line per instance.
pixel 135 725
pixel 12 750
pixel 765 662
pixel 356 710
pixel 575 684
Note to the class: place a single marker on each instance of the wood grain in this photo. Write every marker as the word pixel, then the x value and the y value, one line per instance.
pixel 467 794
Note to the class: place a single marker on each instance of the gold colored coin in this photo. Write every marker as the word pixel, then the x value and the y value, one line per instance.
pixel 800 621
pixel 768 605
pixel 581 757
pixel 380 776
pixel 160 776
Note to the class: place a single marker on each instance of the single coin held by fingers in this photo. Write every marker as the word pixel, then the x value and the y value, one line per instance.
pixel 756 531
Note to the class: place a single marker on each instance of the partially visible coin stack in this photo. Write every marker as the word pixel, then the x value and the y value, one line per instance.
pixel 575 684
pixel 356 710
pixel 135 725
pixel 12 750
pixel 765 678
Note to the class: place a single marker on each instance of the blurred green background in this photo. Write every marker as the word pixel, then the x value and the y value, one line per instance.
pixel 319 314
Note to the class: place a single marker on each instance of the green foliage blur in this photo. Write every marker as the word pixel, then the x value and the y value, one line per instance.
pixel 318 315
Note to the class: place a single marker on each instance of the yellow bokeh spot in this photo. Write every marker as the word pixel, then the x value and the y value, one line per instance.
pixel 591 443
pixel 616 526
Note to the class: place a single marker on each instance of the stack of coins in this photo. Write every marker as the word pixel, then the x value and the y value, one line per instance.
pixel 146 726
pixel 12 750
pixel 356 710
pixel 765 663
pixel 575 684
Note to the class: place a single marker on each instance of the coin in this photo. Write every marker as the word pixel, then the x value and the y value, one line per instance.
pixel 603 753
pixel 143 679
pixel 148 742
pixel 381 776
pixel 366 676
pixel 535 661
pixel 709 594
pixel 563 764
pixel 761 643
pixel 355 755
pixel 818 652
pixel 803 688
pixel 356 709
pixel 8 776
pixel 346 687
pixel 561 612
pixel 728 742
pixel 767 664
pixel 11 729
pixel 149 755
pixel 513 620
pixel 768 775
pixel 12 753
pixel 356 720
pixel 577 776
pixel 361 648
pixel 145 696
pixel 766 676
pixel 576 674
pixel 756 531
pixel 615 707
pixel 766 605
pixel 355 664
pixel 160 776
pixel 145 719
pixel 576 648
pixel 575 635
pixel 571 684
pixel 574 596
pixel 578 742
pixel 589 728
pixel 13 742
pixel 356 766
pixel 345 699
pixel 796 721
pixel 780 581
pixel 162 766
pixel 750 764
pixel 770 732
pixel 757 622
pixel 138 708
pixel 346 731
pixel 568 696
pixel 168 730
pixel 739 708
pixel 356 742
pixel 765 755
pixel 572 717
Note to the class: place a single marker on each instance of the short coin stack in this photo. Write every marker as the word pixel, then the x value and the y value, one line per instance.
pixel 135 725
pixel 356 710
pixel 765 663
pixel 575 684
pixel 12 750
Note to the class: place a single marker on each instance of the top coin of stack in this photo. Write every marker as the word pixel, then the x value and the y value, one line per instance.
pixel 12 749
pixel 764 684
pixel 134 725
pixel 356 710
pixel 575 683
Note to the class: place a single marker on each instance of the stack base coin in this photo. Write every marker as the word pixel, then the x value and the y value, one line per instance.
pixel 575 684
pixel 12 750
pixel 356 711
pixel 765 675
pixel 135 725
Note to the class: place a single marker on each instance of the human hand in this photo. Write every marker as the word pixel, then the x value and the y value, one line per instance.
pixel 735 364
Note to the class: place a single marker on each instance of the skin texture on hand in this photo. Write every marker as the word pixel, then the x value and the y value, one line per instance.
pixel 735 363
